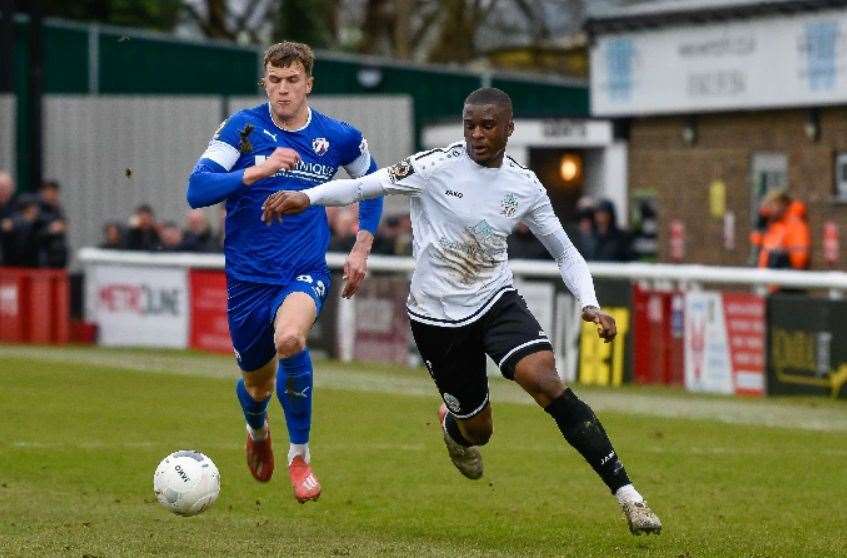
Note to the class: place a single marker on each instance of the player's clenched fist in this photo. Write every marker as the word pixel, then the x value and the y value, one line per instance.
pixel 606 327
pixel 283 203
pixel 282 158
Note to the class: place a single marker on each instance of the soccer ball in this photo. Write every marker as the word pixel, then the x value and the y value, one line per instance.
pixel 186 482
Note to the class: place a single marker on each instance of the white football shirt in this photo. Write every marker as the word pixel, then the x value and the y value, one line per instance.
pixel 461 215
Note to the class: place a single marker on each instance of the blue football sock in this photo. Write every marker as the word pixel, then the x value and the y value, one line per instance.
pixel 255 412
pixel 294 390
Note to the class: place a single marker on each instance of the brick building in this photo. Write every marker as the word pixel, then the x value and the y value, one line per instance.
pixel 722 101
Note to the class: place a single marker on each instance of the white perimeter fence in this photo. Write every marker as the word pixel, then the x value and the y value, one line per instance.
pixel 712 329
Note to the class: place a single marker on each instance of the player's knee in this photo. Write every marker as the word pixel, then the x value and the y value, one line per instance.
pixel 260 391
pixel 289 343
pixel 539 378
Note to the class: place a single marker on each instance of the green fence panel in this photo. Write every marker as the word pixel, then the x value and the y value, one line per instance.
pixel 545 100
pixel 140 65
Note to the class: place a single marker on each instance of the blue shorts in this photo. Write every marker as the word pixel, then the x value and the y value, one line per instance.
pixel 251 309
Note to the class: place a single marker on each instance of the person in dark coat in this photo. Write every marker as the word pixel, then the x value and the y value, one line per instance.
pixel 613 243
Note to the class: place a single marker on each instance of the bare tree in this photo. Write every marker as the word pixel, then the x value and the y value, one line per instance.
pixel 218 19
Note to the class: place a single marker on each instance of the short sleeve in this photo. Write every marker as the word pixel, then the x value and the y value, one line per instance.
pixel 355 155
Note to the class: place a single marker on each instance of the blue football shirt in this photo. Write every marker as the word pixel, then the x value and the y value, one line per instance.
pixel 277 253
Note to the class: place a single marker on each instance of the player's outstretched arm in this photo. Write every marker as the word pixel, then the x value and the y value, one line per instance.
pixel 210 183
pixel 333 193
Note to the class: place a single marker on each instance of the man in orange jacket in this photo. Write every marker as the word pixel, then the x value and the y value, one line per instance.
pixel 785 241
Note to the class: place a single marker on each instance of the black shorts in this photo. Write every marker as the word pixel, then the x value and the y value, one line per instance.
pixel 455 356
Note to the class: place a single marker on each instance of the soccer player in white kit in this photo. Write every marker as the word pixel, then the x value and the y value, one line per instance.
pixel 465 200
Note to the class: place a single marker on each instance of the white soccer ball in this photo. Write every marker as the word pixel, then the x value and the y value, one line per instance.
pixel 186 482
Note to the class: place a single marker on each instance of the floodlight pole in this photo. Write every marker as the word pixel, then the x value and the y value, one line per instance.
pixel 35 93
pixel 7 45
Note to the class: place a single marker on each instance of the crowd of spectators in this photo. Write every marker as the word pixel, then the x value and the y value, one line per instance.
pixel 32 226
pixel 393 237
pixel 33 231
pixel 143 232
pixel 594 232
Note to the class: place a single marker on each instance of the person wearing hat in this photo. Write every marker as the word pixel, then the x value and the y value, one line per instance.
pixel 613 243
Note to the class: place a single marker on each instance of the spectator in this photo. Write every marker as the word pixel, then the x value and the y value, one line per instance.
pixel 21 233
pixel 52 226
pixel 49 199
pixel 197 236
pixel 7 193
pixel 523 245
pixel 785 239
pixel 613 244
pixel 113 237
pixel 344 229
pixel 7 207
pixel 170 239
pixel 143 231
pixel 581 232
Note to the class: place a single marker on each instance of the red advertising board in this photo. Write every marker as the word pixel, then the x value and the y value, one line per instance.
pixel 34 305
pixel 658 348
pixel 744 314
pixel 208 329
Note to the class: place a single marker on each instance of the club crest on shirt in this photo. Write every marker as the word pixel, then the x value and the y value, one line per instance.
pixel 401 170
pixel 509 205
pixel 363 146
pixel 320 146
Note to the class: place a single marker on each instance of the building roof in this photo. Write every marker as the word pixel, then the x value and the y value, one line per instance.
pixel 661 13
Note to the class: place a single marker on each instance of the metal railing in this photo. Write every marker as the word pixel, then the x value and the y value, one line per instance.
pixel 682 275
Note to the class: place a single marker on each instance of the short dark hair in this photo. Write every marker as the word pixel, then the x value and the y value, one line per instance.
pixel 52 184
pixel 490 96
pixel 284 54
pixel 144 208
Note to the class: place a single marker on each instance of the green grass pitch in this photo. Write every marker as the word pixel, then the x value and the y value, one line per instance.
pixel 82 430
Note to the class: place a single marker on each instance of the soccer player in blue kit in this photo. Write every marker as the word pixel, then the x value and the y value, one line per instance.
pixel 277 277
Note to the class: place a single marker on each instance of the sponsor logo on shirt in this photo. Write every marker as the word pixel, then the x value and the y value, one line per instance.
pixel 480 250
pixel 454 194
pixel 313 172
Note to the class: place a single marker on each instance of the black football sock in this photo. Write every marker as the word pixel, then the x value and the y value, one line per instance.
pixel 451 425
pixel 582 429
